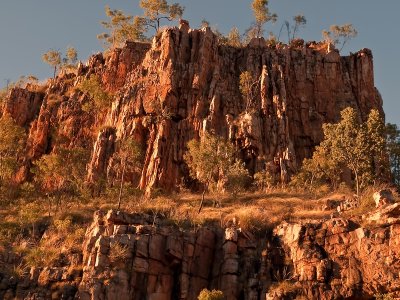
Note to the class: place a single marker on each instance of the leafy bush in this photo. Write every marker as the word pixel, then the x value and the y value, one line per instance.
pixel 205 294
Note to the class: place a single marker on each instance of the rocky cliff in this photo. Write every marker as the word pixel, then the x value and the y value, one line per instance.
pixel 138 256
pixel 183 83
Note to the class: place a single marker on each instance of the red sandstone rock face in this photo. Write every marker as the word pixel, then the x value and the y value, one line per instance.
pixel 185 83
pixel 23 106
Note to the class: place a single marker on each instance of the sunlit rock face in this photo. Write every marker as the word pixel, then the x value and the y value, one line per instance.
pixel 167 93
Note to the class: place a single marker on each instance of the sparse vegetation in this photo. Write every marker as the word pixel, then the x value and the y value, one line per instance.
pixel 118 252
pixel 237 178
pixel 383 297
pixel 130 159
pixel 264 180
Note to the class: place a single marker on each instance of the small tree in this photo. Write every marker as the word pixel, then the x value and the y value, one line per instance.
pixel 121 28
pixel 204 23
pixel 157 10
pixel 299 21
pixel 339 34
pixel 360 147
pixel 208 160
pixel 71 55
pixel 348 144
pixel 318 169
pixel 29 215
pixel 53 58
pixel 262 15
pixel 61 172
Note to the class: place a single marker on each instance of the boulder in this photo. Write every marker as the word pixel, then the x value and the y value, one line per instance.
pixel 383 197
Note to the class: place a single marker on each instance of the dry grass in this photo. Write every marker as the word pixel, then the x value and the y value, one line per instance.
pixel 64 230
pixel 251 211
pixel 118 252
pixel 285 287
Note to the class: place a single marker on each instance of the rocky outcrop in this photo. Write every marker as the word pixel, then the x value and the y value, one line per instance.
pixel 139 256
pixel 169 92
pixel 334 259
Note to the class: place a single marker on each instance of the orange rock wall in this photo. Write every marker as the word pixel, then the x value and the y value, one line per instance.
pixel 184 83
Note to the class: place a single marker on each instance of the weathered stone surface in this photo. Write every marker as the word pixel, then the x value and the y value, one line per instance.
pixel 383 197
pixel 184 83
pixel 388 215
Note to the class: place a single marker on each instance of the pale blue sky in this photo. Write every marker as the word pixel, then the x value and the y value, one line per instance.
pixel 28 28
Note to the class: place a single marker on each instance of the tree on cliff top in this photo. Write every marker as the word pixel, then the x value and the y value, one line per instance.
pixel 234 38
pixel 339 34
pixel 299 21
pixel 121 28
pixel 53 58
pixel 157 10
pixel 262 15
